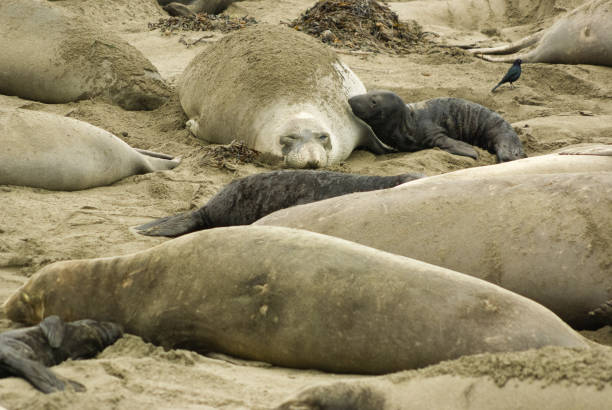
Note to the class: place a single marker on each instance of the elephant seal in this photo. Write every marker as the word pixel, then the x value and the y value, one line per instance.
pixel 49 151
pixel 245 200
pixel 550 378
pixel 580 37
pixel 440 122
pixel 52 55
pixel 27 352
pixel 296 111
pixel 543 236
pixel 190 7
pixel 295 299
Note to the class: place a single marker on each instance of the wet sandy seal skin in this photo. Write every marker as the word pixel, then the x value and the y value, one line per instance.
pixel 28 351
pixel 580 37
pixel 54 56
pixel 540 235
pixel 549 378
pixel 333 305
pixel 49 151
pixel 297 111
pixel 247 199
pixel 448 123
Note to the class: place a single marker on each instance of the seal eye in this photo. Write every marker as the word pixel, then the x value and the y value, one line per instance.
pixel 288 139
pixel 373 102
pixel 324 138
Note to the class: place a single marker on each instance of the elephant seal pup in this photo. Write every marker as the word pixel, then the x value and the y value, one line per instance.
pixel 190 7
pixel 447 123
pixel 544 236
pixel 293 298
pixel 245 200
pixel 297 112
pixel 49 151
pixel 550 378
pixel 580 37
pixel 27 352
pixel 52 55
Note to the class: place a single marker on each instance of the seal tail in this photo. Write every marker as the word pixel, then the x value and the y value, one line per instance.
pixel 175 225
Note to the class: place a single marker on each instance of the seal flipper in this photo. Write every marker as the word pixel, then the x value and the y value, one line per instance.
pixel 38 375
pixel 177 225
pixel 54 329
pixel 437 137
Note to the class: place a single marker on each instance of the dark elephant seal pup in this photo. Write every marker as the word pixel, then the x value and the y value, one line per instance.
pixel 49 151
pixel 190 7
pixel 29 351
pixel 245 200
pixel 293 298
pixel 447 123
pixel 52 55
pixel 296 111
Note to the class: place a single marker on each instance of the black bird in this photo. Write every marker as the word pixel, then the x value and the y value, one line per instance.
pixel 512 75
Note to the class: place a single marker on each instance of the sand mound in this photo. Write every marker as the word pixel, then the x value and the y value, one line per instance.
pixel 360 25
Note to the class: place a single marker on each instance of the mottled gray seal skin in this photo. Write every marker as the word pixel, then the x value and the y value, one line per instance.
pixel 447 123
pixel 245 200
pixel 27 352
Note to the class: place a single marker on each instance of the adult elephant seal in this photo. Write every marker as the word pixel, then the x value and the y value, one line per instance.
pixel 245 200
pixel 544 236
pixel 54 56
pixel 190 7
pixel 49 151
pixel 580 37
pixel 29 351
pixel 295 299
pixel 446 123
pixel 551 378
pixel 280 91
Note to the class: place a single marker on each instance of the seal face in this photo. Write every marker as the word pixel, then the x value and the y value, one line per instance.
pixel 447 123
pixel 297 112
pixel 27 352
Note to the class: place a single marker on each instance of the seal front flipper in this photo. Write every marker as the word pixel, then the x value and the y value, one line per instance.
pixel 177 225
pixel 436 137
pixel 37 374
pixel 370 141
pixel 54 329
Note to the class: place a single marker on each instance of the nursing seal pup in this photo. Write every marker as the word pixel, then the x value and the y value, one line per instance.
pixel 451 124
pixel 27 352
pixel 49 151
pixel 281 92
pixel 54 56
pixel 293 298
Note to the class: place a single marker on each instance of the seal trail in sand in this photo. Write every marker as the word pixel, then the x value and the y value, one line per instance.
pixel 28 351
pixel 513 74
pixel 247 199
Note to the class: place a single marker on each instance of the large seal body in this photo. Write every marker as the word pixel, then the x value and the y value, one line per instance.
pixel 49 151
pixel 543 236
pixel 293 298
pixel 280 91
pixel 448 123
pixel 54 56
pixel 248 199
pixel 29 351
pixel 580 37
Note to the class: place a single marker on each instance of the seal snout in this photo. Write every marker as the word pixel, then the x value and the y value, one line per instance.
pixel 306 148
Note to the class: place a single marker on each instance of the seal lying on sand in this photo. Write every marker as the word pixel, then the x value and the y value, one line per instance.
pixel 190 7
pixel 296 111
pixel 440 122
pixel 247 199
pixel 49 151
pixel 580 37
pixel 28 352
pixel 52 55
pixel 295 299
pixel 545 237
pixel 551 378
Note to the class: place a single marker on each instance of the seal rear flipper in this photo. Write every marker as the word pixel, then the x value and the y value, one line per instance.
pixel 38 375
pixel 54 329
pixel 176 225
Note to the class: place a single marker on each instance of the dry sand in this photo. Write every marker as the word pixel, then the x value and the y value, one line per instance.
pixel 552 106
